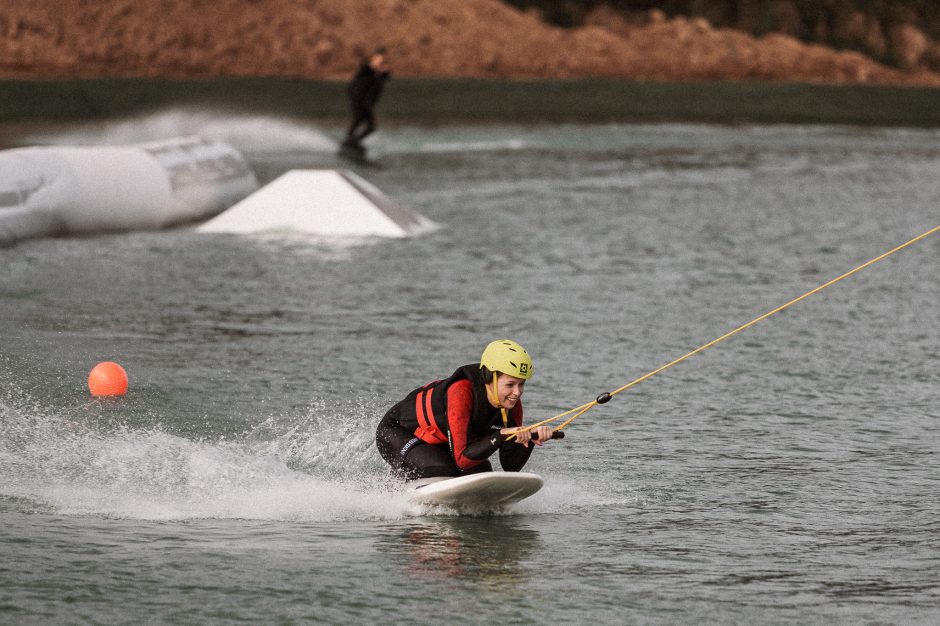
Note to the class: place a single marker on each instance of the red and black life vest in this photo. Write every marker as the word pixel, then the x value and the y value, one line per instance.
pixel 424 410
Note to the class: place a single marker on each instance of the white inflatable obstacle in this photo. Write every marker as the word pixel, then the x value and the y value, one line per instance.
pixel 61 190
pixel 331 203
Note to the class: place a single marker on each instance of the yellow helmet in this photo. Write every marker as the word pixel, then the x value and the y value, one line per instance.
pixel 508 357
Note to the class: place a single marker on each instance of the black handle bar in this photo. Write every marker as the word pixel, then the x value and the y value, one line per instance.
pixel 557 434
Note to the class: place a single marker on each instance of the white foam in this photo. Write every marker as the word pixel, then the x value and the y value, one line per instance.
pixel 247 133
pixel 157 476
pixel 474 146
pixel 317 467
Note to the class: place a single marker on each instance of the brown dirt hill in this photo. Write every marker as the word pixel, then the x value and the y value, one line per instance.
pixel 324 39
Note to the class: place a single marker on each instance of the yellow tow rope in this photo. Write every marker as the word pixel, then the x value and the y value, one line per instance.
pixel 605 397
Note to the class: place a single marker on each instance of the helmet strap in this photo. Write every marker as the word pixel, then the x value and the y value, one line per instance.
pixel 493 395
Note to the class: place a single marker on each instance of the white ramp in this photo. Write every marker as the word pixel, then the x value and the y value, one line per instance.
pixel 322 202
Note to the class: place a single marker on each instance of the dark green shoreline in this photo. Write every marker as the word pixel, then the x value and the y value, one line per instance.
pixel 443 101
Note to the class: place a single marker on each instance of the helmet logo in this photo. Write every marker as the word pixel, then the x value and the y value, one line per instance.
pixel 523 368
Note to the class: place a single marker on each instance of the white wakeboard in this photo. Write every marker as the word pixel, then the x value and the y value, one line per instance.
pixel 485 490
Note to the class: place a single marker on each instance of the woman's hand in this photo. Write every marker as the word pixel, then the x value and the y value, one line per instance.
pixel 524 435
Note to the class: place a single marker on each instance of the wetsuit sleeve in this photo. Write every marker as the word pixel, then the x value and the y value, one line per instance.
pixel 459 409
pixel 513 456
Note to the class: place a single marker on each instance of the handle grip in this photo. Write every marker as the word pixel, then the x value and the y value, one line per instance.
pixel 558 434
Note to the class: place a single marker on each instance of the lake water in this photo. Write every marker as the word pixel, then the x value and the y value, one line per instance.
pixel 787 475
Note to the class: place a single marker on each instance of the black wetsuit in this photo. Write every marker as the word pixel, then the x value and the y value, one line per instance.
pixel 364 91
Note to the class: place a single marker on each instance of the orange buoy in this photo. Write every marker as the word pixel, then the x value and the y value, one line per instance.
pixel 107 379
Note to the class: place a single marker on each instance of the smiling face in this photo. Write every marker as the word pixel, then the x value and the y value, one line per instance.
pixel 509 390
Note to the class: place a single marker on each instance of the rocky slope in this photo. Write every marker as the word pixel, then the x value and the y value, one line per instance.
pixel 324 39
pixel 901 33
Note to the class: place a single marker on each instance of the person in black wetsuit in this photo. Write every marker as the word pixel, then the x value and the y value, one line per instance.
pixel 451 427
pixel 364 90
